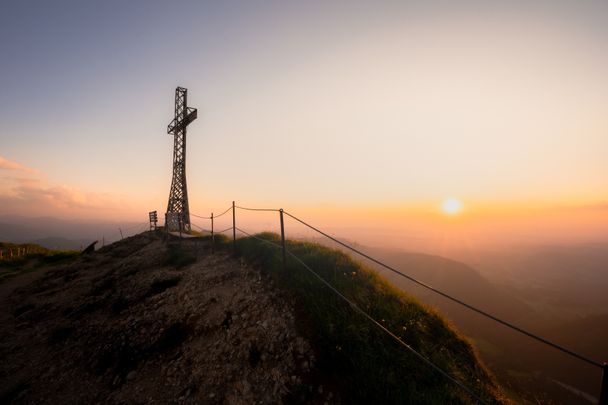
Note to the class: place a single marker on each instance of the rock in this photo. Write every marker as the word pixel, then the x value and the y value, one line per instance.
pixel 131 375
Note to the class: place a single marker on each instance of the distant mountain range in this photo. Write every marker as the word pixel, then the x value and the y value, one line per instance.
pixel 57 233
pixel 562 285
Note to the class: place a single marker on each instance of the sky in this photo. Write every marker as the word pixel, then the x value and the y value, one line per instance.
pixel 350 113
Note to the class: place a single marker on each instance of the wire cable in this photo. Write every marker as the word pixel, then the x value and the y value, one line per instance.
pixel 199 216
pixel 454 299
pixel 258 238
pixel 227 229
pixel 356 308
pixel 199 227
pixel 227 209
pixel 258 209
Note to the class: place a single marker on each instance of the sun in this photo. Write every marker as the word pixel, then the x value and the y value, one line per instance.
pixel 451 206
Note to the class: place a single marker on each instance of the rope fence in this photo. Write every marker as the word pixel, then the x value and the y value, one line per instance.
pixel 375 322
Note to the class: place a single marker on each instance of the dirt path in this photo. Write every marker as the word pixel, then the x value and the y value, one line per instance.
pixel 124 325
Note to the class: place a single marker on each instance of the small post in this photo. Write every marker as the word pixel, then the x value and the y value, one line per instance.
pixel 604 389
pixel 166 227
pixel 283 239
pixel 121 238
pixel 212 236
pixel 153 215
pixel 233 228
pixel 180 231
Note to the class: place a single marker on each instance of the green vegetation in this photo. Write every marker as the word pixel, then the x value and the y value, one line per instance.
pixel 28 257
pixel 178 257
pixel 353 351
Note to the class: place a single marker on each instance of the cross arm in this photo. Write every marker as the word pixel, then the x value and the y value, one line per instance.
pixel 176 125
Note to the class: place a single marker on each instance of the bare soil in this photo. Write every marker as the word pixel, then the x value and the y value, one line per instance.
pixel 124 325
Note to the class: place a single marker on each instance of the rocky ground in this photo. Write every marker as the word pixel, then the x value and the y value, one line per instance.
pixel 133 323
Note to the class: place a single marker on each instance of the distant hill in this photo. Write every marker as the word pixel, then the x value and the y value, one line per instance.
pixel 454 278
pixel 55 233
pixel 522 365
pixel 593 329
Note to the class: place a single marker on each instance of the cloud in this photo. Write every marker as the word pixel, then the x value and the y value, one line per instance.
pixel 9 165
pixel 35 197
pixel 28 192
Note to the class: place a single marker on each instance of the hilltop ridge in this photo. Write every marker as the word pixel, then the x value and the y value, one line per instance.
pixel 145 321
pixel 142 322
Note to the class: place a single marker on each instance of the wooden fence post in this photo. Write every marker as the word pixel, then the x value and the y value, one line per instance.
pixel 212 236
pixel 283 239
pixel 180 231
pixel 604 388
pixel 233 228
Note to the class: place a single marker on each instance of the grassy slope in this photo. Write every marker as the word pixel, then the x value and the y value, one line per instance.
pixel 374 367
pixel 36 257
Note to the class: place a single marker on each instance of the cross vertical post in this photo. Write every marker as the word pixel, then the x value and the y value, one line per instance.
pixel 178 212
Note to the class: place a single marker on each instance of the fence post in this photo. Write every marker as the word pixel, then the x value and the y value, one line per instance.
pixel 166 228
pixel 604 389
pixel 180 231
pixel 283 239
pixel 121 237
pixel 233 228
pixel 212 236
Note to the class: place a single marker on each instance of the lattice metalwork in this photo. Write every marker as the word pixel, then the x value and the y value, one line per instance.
pixel 178 213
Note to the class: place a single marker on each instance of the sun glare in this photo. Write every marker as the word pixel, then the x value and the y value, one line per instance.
pixel 451 206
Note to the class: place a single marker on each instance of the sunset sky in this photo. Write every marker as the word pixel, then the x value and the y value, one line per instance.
pixel 372 111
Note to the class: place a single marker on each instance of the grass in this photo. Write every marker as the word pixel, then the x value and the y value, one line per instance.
pixel 36 257
pixel 374 367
